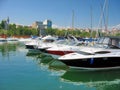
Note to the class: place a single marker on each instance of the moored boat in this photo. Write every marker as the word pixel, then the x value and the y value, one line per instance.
pixel 12 39
pixel 69 46
pixel 95 58
pixel 32 43
pixel 46 42
pixel 3 40
pixel 93 62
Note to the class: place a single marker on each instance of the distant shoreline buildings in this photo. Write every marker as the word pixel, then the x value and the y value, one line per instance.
pixel 42 25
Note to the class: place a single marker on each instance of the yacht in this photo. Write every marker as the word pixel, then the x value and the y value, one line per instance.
pixel 104 55
pixel 32 43
pixel 69 46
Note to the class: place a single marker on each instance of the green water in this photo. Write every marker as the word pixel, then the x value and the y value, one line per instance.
pixel 21 70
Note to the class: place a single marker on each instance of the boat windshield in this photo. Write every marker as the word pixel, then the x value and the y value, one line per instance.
pixel 106 42
pixel 115 43
pixel 66 42
pixel 103 40
pixel 60 41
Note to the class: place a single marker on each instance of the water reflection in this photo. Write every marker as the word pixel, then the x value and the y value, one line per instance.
pixel 99 79
pixel 6 48
pixel 46 60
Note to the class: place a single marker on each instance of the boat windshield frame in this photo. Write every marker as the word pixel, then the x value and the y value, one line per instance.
pixel 108 42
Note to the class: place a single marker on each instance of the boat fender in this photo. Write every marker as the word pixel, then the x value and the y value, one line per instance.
pixel 91 60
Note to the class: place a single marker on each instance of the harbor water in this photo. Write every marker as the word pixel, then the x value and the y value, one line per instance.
pixel 21 69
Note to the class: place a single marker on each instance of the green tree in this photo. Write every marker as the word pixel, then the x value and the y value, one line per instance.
pixel 118 34
pixel 2 24
pixel 12 26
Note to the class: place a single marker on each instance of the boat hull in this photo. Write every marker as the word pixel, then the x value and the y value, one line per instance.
pixel 59 52
pixel 94 63
pixel 43 49
pixel 30 46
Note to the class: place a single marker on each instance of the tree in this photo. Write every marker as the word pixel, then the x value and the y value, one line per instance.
pixel 2 24
pixel 118 34
pixel 12 26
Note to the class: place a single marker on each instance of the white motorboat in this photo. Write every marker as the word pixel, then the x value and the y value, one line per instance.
pixel 46 42
pixel 3 40
pixel 37 42
pixel 95 58
pixel 12 39
pixel 69 46
pixel 63 49
pixel 32 43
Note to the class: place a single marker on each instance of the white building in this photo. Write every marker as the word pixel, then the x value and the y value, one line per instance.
pixel 41 26
pixel 47 23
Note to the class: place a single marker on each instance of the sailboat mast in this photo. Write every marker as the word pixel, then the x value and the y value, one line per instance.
pixel 91 22
pixel 106 23
pixel 101 18
pixel 73 20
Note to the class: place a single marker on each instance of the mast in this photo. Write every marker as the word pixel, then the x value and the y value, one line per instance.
pixel 73 20
pixel 91 22
pixel 101 17
pixel 106 23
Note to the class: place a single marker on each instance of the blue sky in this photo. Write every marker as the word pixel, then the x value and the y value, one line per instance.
pixel 59 11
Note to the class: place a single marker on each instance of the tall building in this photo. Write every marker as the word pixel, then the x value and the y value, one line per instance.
pixel 41 26
pixel 37 24
pixel 47 23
